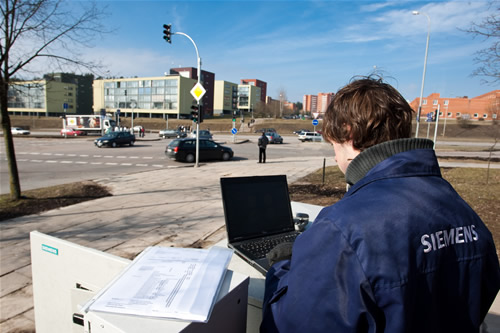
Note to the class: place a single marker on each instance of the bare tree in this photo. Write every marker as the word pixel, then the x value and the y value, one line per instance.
pixel 488 58
pixel 32 30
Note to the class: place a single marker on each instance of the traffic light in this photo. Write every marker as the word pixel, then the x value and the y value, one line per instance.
pixel 194 113
pixel 167 33
pixel 200 114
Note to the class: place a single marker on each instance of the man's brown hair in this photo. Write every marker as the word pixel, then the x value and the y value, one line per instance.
pixel 367 111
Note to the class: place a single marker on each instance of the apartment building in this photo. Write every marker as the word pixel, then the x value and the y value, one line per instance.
pixel 257 83
pixel 485 107
pixel 225 97
pixel 310 103
pixel 323 101
pixel 248 97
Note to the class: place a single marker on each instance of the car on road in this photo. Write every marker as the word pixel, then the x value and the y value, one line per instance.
pixel 274 137
pixel 169 133
pixel 72 132
pixel 204 134
pixel 115 139
pixel 19 131
pixel 311 136
pixel 184 150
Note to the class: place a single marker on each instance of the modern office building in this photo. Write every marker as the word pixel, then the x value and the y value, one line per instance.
pixel 207 80
pixel 485 107
pixel 152 97
pixel 225 97
pixel 42 98
pixel 257 83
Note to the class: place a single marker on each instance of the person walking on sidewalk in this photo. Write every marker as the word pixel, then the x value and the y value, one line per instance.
pixel 263 141
pixel 400 252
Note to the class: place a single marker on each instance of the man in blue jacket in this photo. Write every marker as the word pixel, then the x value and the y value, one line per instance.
pixel 401 252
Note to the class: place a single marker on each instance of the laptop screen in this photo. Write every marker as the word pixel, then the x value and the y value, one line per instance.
pixel 256 206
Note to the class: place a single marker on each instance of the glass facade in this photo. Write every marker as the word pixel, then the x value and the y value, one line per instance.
pixel 147 94
pixel 243 94
pixel 26 96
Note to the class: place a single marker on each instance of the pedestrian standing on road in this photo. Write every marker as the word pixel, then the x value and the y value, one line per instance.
pixel 400 252
pixel 262 143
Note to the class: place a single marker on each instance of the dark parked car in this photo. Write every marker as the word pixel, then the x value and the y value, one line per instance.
pixel 114 139
pixel 185 150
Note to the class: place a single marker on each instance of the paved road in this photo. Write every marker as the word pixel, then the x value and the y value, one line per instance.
pixel 47 161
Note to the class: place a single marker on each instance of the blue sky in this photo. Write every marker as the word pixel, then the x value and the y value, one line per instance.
pixel 301 47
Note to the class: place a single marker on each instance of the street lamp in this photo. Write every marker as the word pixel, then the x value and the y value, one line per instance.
pixel 425 66
pixel 133 104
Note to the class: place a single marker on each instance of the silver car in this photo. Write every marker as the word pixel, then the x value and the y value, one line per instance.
pixel 204 134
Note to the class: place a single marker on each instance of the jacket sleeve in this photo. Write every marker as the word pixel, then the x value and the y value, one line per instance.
pixel 322 289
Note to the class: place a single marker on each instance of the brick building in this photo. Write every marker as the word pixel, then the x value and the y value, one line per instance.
pixel 486 106
pixel 324 100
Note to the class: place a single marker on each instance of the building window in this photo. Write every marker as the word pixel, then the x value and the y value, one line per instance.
pixel 476 115
pixel 458 114
pixel 485 115
pixel 446 102
pixel 449 114
pixel 494 116
pixel 424 102
pixel 435 102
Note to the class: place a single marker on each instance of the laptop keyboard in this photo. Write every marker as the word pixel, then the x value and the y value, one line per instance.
pixel 259 248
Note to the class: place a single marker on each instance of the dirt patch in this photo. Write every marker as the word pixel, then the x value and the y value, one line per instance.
pixel 43 199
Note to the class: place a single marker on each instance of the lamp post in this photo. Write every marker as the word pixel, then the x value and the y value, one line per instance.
pixel 425 67
pixel 133 104
pixel 199 108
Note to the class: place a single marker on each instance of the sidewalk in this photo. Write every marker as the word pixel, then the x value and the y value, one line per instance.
pixel 172 207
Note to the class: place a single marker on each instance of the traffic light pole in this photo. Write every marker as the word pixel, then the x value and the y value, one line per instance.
pixel 199 108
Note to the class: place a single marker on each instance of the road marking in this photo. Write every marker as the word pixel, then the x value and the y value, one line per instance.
pixel 59 154
pixel 126 164
pixel 34 153
pixel 81 162
pixel 36 161
pixel 50 161
pixel 96 155
pixel 133 156
pixel 84 155
pixel 110 163
pixel 95 163
pixel 22 159
pixel 121 156
pixel 141 165
pixel 72 155
pixel 67 162
pixel 47 154
pixel 108 156
pixel 147 158
pixel 157 165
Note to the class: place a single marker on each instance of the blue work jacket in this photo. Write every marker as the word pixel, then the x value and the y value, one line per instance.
pixel 400 252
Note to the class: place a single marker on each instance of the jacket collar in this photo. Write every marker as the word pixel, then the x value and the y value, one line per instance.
pixel 372 156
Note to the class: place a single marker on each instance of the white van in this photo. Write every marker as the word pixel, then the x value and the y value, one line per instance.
pixel 311 136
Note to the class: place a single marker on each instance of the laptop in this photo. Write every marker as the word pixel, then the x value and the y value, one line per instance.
pixel 257 211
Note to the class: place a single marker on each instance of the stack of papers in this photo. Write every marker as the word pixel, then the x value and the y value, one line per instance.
pixel 167 282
